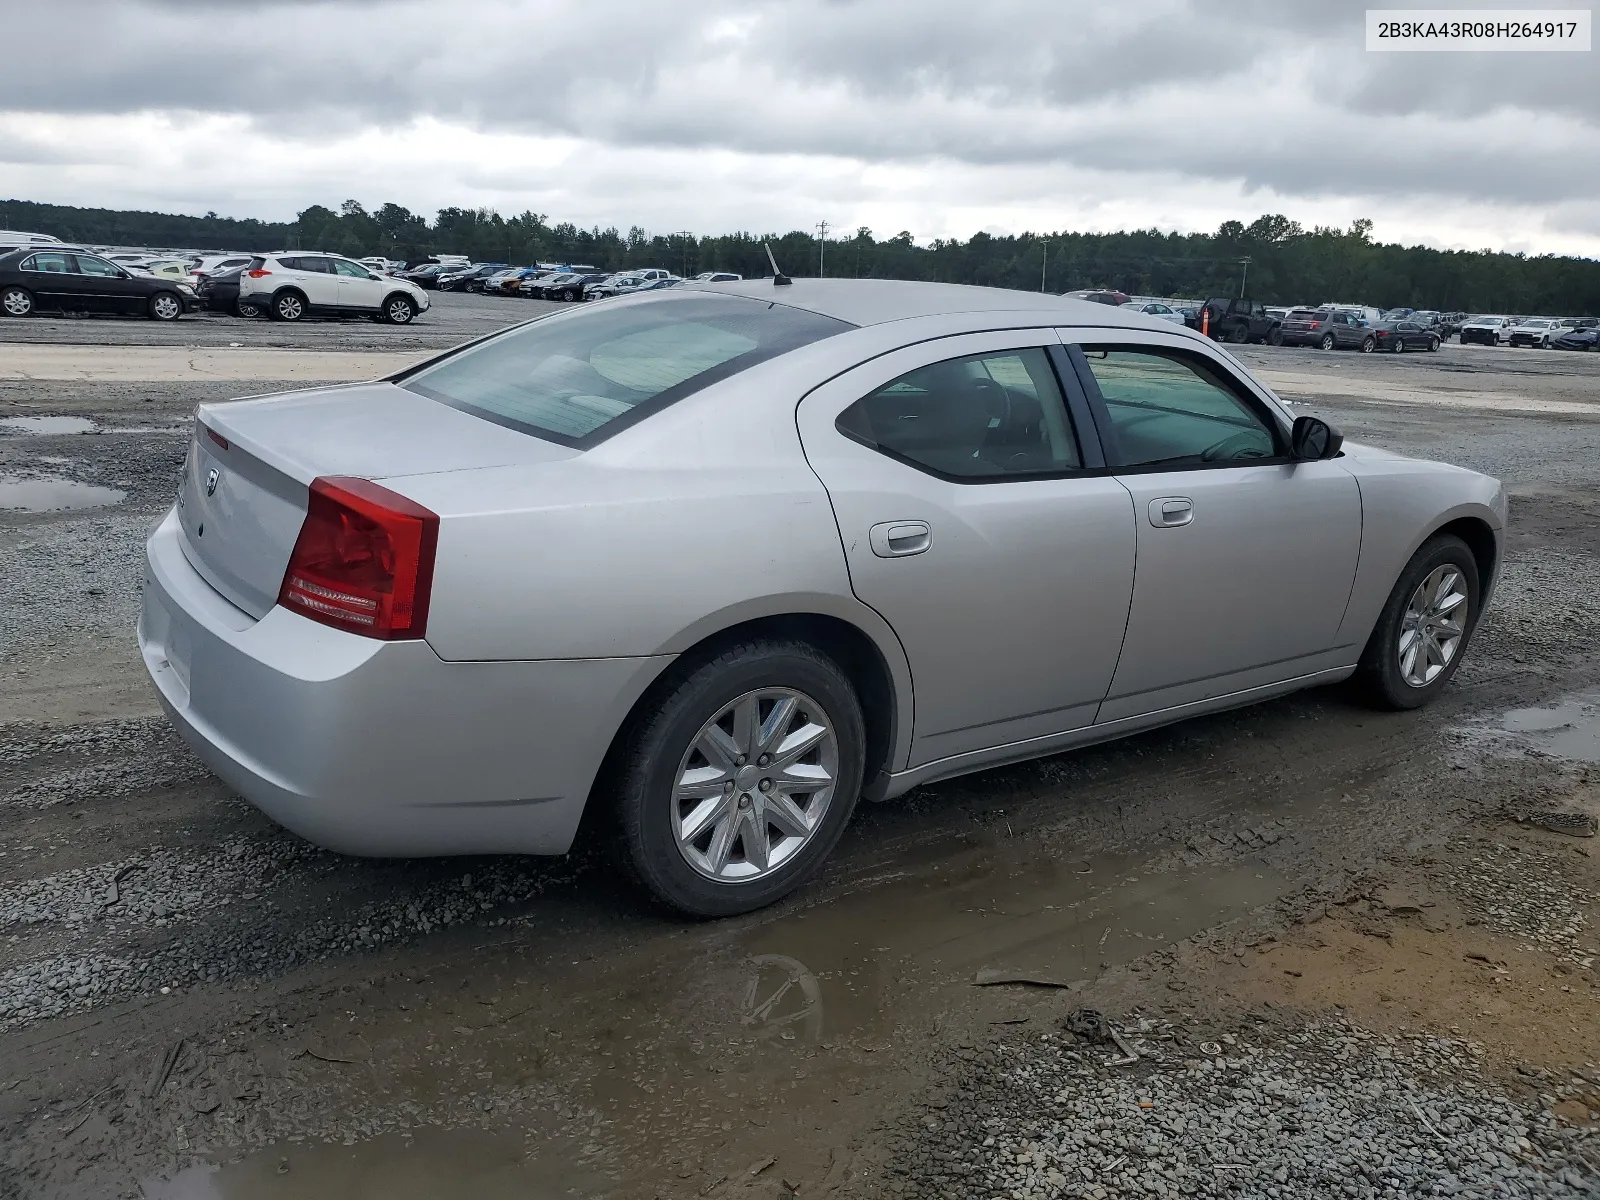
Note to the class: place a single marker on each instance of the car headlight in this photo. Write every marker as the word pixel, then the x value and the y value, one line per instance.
pixel 186 289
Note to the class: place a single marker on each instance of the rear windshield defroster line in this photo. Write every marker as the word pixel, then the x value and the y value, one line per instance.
pixel 580 378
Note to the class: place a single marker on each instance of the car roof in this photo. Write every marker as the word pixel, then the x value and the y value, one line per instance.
pixel 876 301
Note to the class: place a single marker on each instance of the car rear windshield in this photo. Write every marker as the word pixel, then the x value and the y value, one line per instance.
pixel 577 378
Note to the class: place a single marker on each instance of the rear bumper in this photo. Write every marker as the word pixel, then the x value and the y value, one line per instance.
pixel 378 748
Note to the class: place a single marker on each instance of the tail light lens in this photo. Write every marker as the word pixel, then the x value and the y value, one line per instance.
pixel 258 273
pixel 363 561
pixel 1316 324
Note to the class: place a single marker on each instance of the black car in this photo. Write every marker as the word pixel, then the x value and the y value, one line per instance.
pixel 1399 336
pixel 75 281
pixel 427 275
pixel 1583 338
pixel 219 292
pixel 466 279
pixel 563 286
pixel 1237 320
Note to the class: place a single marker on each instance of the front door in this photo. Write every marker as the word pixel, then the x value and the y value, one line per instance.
pixel 1245 558
pixel 358 287
pixel 970 524
pixel 109 288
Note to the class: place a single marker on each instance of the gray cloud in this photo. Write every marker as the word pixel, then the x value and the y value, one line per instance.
pixel 1260 94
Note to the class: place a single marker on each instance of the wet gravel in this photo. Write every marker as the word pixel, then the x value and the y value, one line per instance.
pixel 1318 1111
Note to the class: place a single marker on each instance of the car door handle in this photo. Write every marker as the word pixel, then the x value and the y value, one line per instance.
pixel 1168 512
pixel 896 539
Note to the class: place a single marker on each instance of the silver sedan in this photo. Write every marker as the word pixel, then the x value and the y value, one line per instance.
pixel 722 561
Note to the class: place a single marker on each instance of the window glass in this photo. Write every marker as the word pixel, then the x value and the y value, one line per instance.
pixel 55 264
pixel 576 378
pixel 342 267
pixel 90 265
pixel 1171 409
pixel 323 266
pixel 983 416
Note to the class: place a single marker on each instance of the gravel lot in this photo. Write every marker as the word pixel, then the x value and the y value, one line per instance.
pixel 1351 958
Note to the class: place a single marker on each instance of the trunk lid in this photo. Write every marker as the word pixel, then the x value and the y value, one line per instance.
pixel 245 482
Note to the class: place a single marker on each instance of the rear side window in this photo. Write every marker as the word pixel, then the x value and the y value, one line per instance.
pixel 985 416
pixel 578 378
pixel 1172 410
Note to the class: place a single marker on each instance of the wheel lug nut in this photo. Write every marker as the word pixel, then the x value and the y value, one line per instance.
pixel 766 785
pixel 728 787
pixel 744 800
pixel 763 760
pixel 739 762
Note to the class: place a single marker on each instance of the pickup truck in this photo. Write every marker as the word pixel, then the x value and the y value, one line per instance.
pixel 1239 320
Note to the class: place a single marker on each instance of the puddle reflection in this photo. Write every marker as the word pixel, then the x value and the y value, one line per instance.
pixel 54 495
pixel 45 426
pixel 1569 730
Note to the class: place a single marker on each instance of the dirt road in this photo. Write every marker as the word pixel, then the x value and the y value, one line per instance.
pixel 195 1004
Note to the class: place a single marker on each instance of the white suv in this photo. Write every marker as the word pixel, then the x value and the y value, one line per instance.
pixel 293 285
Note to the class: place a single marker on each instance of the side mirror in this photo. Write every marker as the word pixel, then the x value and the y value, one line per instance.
pixel 1312 439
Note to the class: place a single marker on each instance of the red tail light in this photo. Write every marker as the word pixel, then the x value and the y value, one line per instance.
pixel 1316 324
pixel 258 273
pixel 363 561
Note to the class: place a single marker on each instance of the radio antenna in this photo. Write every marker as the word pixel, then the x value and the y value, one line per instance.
pixel 778 277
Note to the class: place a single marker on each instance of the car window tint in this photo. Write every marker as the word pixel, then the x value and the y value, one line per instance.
pixel 986 416
pixel 88 264
pixel 55 264
pixel 580 376
pixel 1172 409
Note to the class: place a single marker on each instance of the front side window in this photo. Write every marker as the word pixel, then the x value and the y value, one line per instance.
pixel 985 416
pixel 578 378
pixel 89 265
pixel 1171 409
pixel 343 267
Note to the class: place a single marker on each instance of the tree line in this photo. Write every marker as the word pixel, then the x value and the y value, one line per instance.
pixel 1272 259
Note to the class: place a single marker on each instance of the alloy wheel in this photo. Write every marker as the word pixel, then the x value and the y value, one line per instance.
pixel 399 311
pixel 754 785
pixel 18 303
pixel 1432 629
pixel 290 308
pixel 166 308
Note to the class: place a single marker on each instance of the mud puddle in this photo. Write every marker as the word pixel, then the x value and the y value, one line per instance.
pixel 1568 730
pixel 427 1164
pixel 55 495
pixel 46 426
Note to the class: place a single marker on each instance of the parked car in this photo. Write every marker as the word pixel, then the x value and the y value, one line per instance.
pixel 1154 308
pixel 210 264
pixel 1324 327
pixel 468 279
pixel 1099 296
pixel 1535 332
pixel 397 694
pixel 1238 320
pixel 378 266
pixel 1487 330
pixel 16 239
pixel 1398 336
pixel 618 285
pixel 219 292
pixel 563 285
pixel 290 287
pixel 717 277
pixel 33 280
pixel 1191 315
pixel 426 275
pixel 1583 337
pixel 175 269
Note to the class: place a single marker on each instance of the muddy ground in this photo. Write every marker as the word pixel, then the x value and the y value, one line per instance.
pixel 194 1003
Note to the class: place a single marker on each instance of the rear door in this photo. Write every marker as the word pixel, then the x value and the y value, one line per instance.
pixel 977 525
pixel 52 277
pixel 313 275
pixel 1245 558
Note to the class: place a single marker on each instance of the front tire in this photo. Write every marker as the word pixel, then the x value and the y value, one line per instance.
pixel 730 788
pixel 1433 345
pixel 164 306
pixel 16 302
pixel 1399 345
pixel 1424 628
pixel 241 309
pixel 1275 338
pixel 398 310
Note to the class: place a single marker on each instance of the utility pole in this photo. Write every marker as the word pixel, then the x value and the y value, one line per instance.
pixel 822 244
pixel 1043 266
pixel 685 235
pixel 1243 275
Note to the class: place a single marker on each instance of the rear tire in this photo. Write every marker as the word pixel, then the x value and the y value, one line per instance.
pixel 1327 341
pixel 1368 345
pixel 17 302
pixel 1381 677
pixel 656 750
pixel 398 310
pixel 1238 335
pixel 287 306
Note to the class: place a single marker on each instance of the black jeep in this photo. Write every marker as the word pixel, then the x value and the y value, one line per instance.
pixel 1237 321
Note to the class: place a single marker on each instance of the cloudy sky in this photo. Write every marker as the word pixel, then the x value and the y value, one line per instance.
pixel 941 117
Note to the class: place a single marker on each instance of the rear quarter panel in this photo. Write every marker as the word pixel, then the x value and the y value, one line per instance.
pixel 1404 502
